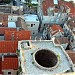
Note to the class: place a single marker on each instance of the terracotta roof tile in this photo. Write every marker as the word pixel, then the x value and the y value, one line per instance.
pixel 61 40
pixel 49 3
pixel 0 66
pixel 8 46
pixel 72 15
pixel 3 29
pixel 69 4
pixel 17 35
pixel 53 33
pixel 57 28
pixel 72 24
pixel 46 4
pixel 10 63
pixel 72 55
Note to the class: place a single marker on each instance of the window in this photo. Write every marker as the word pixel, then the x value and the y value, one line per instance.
pixel 13 12
pixel 33 33
pixel 31 25
pixel 28 43
pixel 9 73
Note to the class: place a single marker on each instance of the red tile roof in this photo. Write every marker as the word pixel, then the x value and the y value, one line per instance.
pixel 72 24
pixel 3 29
pixel 46 4
pixel 57 28
pixel 0 66
pixel 49 3
pixel 10 63
pixel 69 4
pixel 53 33
pixel 61 40
pixel 72 55
pixel 8 46
pixel 72 15
pixel 18 35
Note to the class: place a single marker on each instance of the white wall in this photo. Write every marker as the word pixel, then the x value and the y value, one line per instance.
pixel 65 27
pixel 13 72
pixel 64 45
pixel 54 19
pixel 12 18
pixel 34 28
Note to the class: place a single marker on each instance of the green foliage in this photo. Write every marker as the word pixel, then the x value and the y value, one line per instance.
pixel 18 52
pixel 19 70
pixel 30 5
pixel 35 5
pixel 58 56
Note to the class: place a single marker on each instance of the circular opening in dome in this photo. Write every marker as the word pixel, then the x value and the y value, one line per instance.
pixel 46 58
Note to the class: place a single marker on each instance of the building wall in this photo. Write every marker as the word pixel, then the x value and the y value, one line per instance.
pixel 13 72
pixel 33 28
pixel 58 34
pixel 12 18
pixel 64 45
pixel 3 29
pixel 65 27
pixel 5 20
pixel 57 18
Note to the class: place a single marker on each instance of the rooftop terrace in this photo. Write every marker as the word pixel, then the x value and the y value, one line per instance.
pixel 29 65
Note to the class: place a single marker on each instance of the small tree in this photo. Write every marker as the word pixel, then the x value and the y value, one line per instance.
pixel 20 70
pixel 18 52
